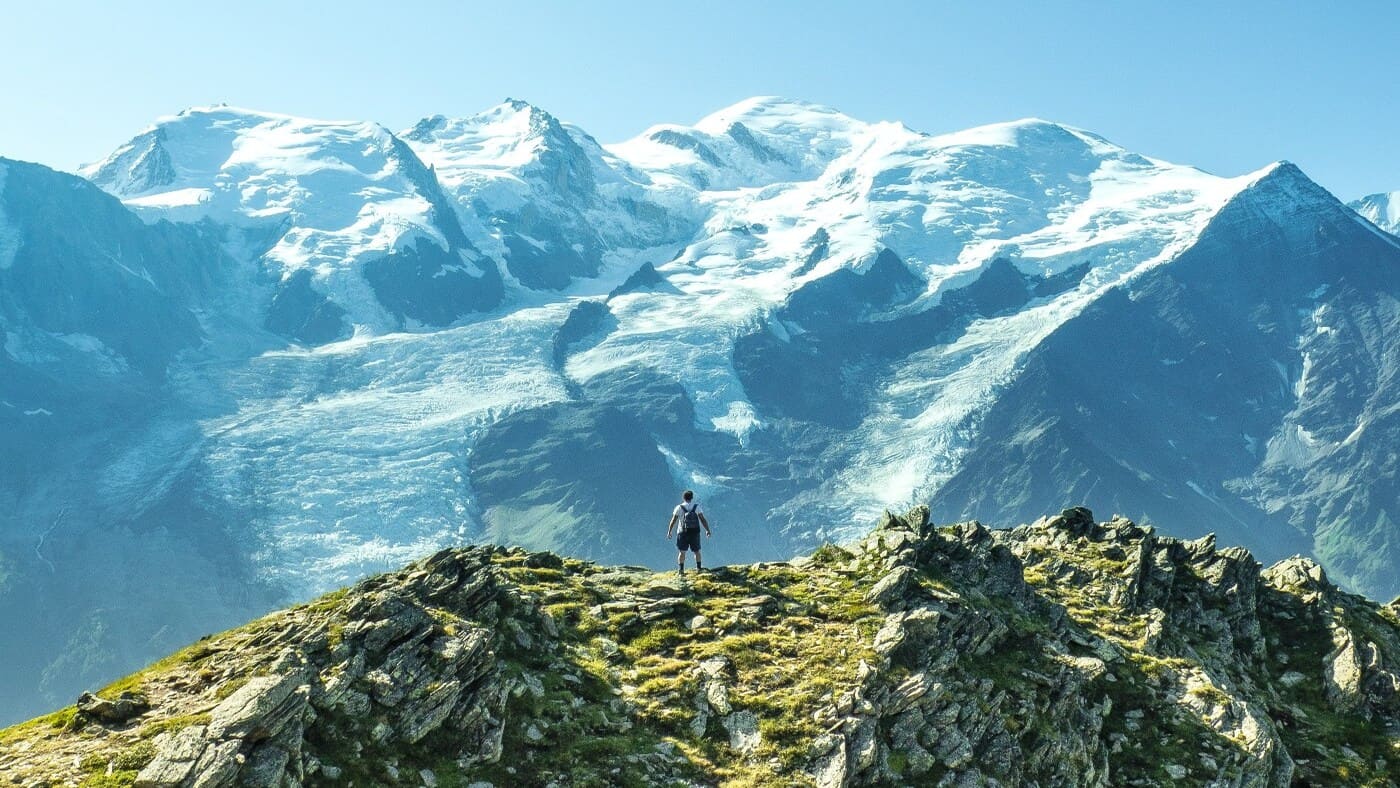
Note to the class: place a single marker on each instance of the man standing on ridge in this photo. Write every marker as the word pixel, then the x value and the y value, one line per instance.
pixel 690 517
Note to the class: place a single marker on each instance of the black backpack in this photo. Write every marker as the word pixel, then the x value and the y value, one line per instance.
pixel 690 518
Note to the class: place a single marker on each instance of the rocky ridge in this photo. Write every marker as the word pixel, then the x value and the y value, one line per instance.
pixel 1066 652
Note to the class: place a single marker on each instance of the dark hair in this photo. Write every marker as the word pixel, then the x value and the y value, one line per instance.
pixel 687 495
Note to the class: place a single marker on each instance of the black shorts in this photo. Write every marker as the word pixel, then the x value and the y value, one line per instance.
pixel 688 540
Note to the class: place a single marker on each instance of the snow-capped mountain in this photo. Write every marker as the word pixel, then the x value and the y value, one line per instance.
pixel 1383 210
pixel 348 222
pixel 552 202
pixel 494 327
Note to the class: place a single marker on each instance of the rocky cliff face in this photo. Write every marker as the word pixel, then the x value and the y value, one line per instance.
pixel 1066 652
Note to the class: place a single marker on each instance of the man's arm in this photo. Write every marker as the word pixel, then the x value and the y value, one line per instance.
pixel 671 526
pixel 705 523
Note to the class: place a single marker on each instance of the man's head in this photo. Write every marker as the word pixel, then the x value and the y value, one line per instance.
pixel 687 495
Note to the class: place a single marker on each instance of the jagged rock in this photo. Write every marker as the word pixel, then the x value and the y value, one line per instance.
pixel 829 765
pixel 1298 574
pixel 1061 653
pixel 1076 521
pixel 175 758
pixel 1344 672
pixel 429 713
pixel 915 520
pixel 545 560
pixel 112 712
pixel 258 708
pixel 891 634
pixel 892 589
pixel 265 768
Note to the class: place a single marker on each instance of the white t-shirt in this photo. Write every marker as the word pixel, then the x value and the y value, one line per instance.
pixel 681 509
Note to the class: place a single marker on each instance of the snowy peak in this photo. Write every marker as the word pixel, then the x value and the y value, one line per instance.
pixel 755 142
pixel 796 131
pixel 1283 194
pixel 227 162
pixel 199 145
pixel 142 165
pixel 344 214
pixel 770 113
pixel 506 141
pixel 1039 138
pixel 506 135
pixel 1382 210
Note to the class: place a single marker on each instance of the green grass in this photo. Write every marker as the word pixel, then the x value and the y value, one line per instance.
pixel 153 729
pixel 63 720
pixel 117 779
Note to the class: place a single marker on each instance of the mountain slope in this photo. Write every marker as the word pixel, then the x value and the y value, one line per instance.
pixel 1209 412
pixel 103 510
pixel 1383 210
pixel 1065 652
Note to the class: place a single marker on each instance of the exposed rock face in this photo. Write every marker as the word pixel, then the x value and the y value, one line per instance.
pixel 126 706
pixel 1067 652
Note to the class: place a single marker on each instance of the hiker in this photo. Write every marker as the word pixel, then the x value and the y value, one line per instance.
pixel 690 517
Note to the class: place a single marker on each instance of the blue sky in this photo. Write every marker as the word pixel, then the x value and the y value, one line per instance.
pixel 1227 86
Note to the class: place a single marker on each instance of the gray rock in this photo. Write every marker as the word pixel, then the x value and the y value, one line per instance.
pixel 218 764
pixel 829 767
pixel 258 707
pixel 743 731
pixel 265 767
pixel 112 712
pixel 891 590
pixel 175 758
pixel 1344 672
pixel 428 714
pixel 717 695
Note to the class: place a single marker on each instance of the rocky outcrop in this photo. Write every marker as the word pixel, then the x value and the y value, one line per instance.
pixel 1066 652
pixel 125 706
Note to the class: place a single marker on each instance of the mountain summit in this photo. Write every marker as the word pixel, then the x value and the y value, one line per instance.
pixel 1383 210
pixel 1066 652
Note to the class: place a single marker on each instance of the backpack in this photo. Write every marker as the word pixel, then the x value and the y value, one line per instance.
pixel 690 518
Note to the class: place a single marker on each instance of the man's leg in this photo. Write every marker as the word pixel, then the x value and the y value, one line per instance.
pixel 698 564
pixel 680 562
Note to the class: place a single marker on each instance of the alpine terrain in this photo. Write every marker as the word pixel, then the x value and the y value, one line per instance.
pixel 1066 652
pixel 249 358
pixel 1382 209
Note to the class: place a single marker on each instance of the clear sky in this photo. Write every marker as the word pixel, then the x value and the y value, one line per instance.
pixel 1227 86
